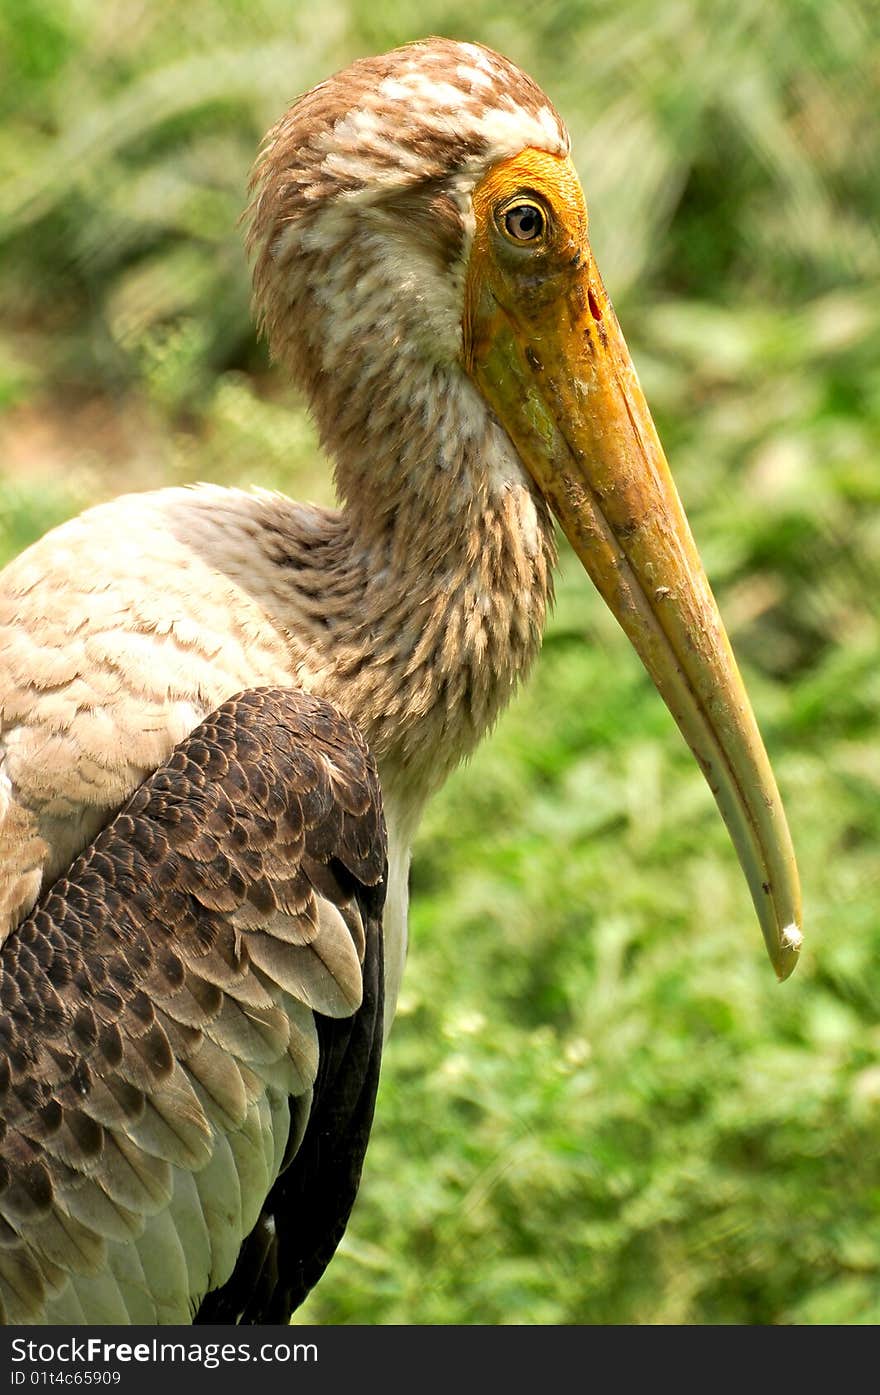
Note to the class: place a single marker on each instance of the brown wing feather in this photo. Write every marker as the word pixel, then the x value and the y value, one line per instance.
pixel 162 998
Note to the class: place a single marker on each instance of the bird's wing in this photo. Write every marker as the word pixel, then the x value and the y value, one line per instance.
pixel 190 1028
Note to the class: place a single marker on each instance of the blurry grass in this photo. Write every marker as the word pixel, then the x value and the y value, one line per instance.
pixel 597 1106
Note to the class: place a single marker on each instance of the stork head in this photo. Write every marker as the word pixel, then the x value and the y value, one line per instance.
pixel 420 236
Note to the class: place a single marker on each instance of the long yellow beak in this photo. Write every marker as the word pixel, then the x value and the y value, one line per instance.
pixel 548 354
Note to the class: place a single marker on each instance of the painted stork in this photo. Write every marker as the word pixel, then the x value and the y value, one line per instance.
pixel 203 691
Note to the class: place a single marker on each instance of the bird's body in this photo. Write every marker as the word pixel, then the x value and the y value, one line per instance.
pixel 397 215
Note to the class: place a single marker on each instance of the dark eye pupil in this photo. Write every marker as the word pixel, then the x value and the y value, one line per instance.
pixel 524 222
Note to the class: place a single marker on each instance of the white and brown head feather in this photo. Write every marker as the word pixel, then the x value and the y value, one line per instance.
pixel 360 229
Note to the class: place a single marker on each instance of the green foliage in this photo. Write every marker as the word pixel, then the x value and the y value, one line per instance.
pixel 596 1105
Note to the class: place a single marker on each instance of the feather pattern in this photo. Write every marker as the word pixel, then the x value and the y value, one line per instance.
pixel 145 1103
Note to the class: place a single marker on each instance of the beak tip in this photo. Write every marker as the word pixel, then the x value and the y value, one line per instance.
pixel 788 950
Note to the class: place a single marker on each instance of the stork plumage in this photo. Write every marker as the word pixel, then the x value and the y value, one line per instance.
pixel 203 691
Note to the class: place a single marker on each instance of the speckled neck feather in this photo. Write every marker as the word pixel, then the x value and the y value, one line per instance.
pixel 361 224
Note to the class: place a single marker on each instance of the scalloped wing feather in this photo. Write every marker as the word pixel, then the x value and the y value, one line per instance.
pixel 161 1009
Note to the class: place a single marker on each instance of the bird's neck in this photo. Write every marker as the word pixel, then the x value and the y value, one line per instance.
pixel 432 589
pixel 434 605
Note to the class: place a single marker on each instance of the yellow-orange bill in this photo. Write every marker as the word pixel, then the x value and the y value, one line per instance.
pixel 547 353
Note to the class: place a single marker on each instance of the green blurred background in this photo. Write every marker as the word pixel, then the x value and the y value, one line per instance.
pixel 597 1104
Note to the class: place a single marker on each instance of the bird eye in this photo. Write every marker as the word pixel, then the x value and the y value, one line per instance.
pixel 524 222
